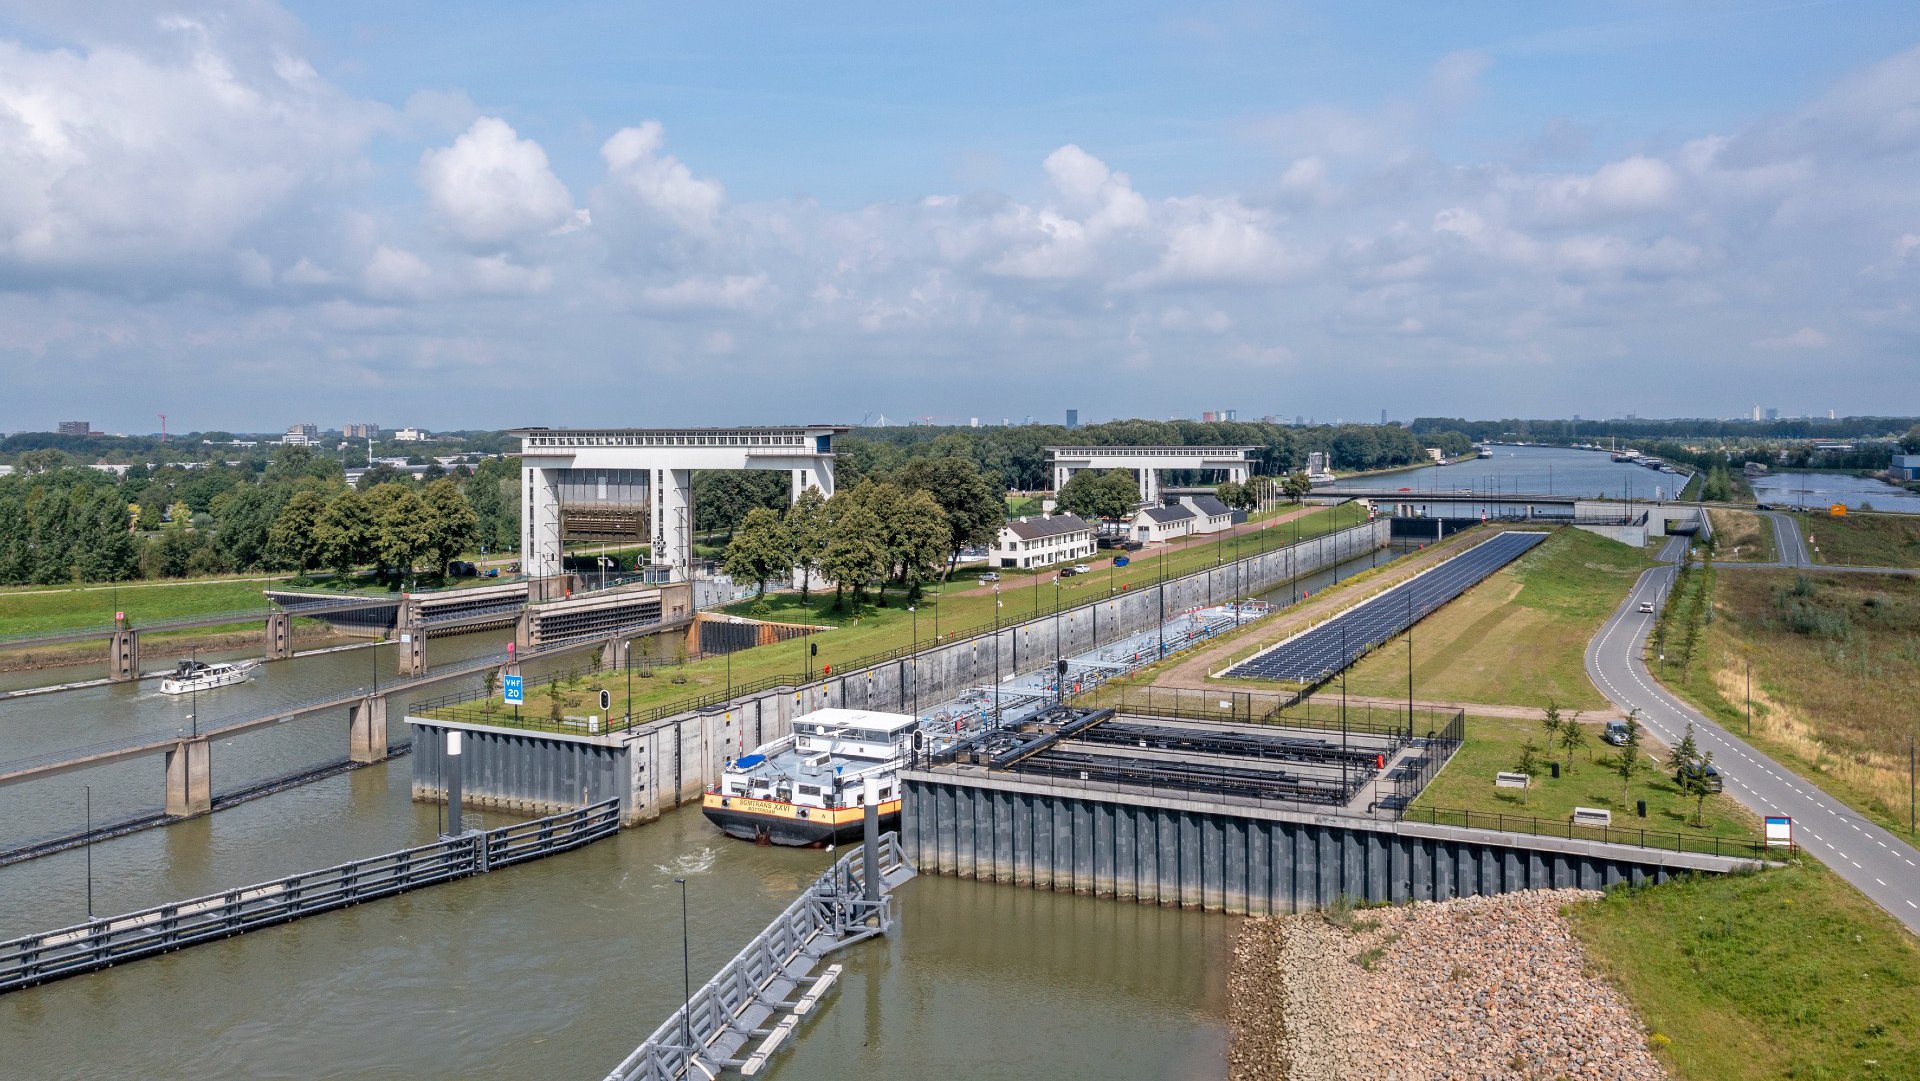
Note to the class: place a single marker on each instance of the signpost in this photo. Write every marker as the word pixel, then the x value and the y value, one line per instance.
pixel 1779 831
pixel 512 691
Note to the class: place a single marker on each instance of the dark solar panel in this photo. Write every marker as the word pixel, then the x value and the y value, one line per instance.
pixel 1324 650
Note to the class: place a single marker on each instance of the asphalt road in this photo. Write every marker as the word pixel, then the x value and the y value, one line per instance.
pixel 1787 541
pixel 1881 864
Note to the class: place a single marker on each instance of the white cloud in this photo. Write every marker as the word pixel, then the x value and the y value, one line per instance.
pixel 395 274
pixel 736 292
pixel 659 181
pixel 1804 338
pixel 1635 185
pixel 492 188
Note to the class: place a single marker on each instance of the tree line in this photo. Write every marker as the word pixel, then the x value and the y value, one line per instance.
pixel 60 523
pixel 901 528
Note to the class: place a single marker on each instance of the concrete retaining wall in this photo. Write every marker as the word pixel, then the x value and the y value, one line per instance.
pixel 1241 860
pixel 672 761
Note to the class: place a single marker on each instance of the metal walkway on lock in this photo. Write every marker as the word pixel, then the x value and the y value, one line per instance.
pixel 1322 651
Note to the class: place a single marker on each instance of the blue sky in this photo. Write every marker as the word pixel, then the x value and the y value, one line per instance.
pixel 762 212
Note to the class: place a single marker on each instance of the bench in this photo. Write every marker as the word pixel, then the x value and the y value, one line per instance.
pixel 1592 816
pixel 1513 780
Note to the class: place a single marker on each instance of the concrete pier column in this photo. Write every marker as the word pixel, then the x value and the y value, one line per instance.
pixel 367 735
pixel 190 778
pixel 451 780
pixel 523 632
pixel 614 653
pixel 1150 485
pixel 413 642
pixel 540 523
pixel 279 636
pixel 123 655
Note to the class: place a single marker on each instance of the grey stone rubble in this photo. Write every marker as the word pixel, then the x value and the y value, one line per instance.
pixel 1469 989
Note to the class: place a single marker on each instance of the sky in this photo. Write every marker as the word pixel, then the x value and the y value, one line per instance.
pixel 244 214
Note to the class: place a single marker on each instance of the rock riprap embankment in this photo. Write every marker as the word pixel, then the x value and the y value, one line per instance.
pixel 1470 989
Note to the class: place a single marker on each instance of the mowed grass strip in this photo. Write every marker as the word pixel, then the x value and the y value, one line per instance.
pixel 1519 637
pixel 1785 973
pixel 1863 540
pixel 1835 663
pixel 50 611
pixel 1587 779
pixel 1742 536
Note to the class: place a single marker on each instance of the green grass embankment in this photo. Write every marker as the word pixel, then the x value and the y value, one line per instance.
pixel 1862 540
pixel 39 610
pixel 1587 779
pixel 1518 638
pixel 1787 973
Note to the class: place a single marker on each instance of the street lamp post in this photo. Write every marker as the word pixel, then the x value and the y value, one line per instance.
pixel 686 974
pixel 89 837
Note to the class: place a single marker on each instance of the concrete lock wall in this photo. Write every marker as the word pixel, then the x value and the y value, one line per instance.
pixel 1239 860
pixel 672 761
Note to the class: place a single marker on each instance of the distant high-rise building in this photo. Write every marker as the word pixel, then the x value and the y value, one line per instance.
pixel 1576 418
pixel 302 435
pixel 1830 415
pixel 1073 418
pixel 1383 418
pixel 973 422
pixel 1756 411
pixel 1773 414
pixel 1229 414
pixel 76 427
pixel 1299 420
pixel 1209 417
pixel 361 431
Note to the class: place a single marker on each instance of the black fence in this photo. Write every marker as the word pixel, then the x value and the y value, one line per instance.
pixel 1666 840
pixel 101 943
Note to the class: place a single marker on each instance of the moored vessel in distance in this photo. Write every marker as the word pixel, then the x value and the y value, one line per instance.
pixel 808 788
pixel 190 676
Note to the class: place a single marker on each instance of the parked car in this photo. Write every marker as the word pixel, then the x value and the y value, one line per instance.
pixel 1714 781
pixel 1616 733
pixel 1068 572
pixel 990 576
pixel 1082 568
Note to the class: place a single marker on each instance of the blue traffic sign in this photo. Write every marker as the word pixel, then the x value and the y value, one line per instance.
pixel 513 691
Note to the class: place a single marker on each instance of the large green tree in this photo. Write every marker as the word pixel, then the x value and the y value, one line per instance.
pixel 451 524
pixel 293 541
pixel 243 520
pixel 760 549
pixel 856 547
pixel 973 508
pixel 1110 494
pixel 344 531
pixel 807 522
pixel 401 531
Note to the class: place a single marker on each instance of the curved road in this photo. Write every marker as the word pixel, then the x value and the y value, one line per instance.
pixel 1881 864
pixel 1793 554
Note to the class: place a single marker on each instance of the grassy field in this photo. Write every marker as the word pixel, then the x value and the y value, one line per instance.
pixel 1863 540
pixel 47 611
pixel 1519 637
pixel 962 604
pixel 1494 744
pixel 1836 670
pixel 1787 973
pixel 1742 537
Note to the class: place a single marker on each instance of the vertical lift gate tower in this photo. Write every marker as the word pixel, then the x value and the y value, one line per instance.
pixel 594 475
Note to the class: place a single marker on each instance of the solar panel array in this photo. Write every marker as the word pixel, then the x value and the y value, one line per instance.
pixel 1323 651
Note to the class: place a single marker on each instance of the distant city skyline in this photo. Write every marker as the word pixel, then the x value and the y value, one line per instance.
pixel 248 211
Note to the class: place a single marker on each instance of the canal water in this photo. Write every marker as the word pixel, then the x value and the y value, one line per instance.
pixel 554 969
pixel 1534 470
pixel 1822 490
pixel 557 969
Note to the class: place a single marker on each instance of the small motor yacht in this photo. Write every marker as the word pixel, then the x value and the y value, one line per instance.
pixel 190 676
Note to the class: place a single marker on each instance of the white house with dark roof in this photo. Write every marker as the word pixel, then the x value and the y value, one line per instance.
pixel 1152 525
pixel 1209 514
pixel 1041 542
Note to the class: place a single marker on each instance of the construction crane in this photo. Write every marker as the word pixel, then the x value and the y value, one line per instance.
pixel 163 427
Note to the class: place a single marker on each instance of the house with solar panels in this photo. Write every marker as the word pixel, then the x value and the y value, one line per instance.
pixel 1042 541
pixel 1154 525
